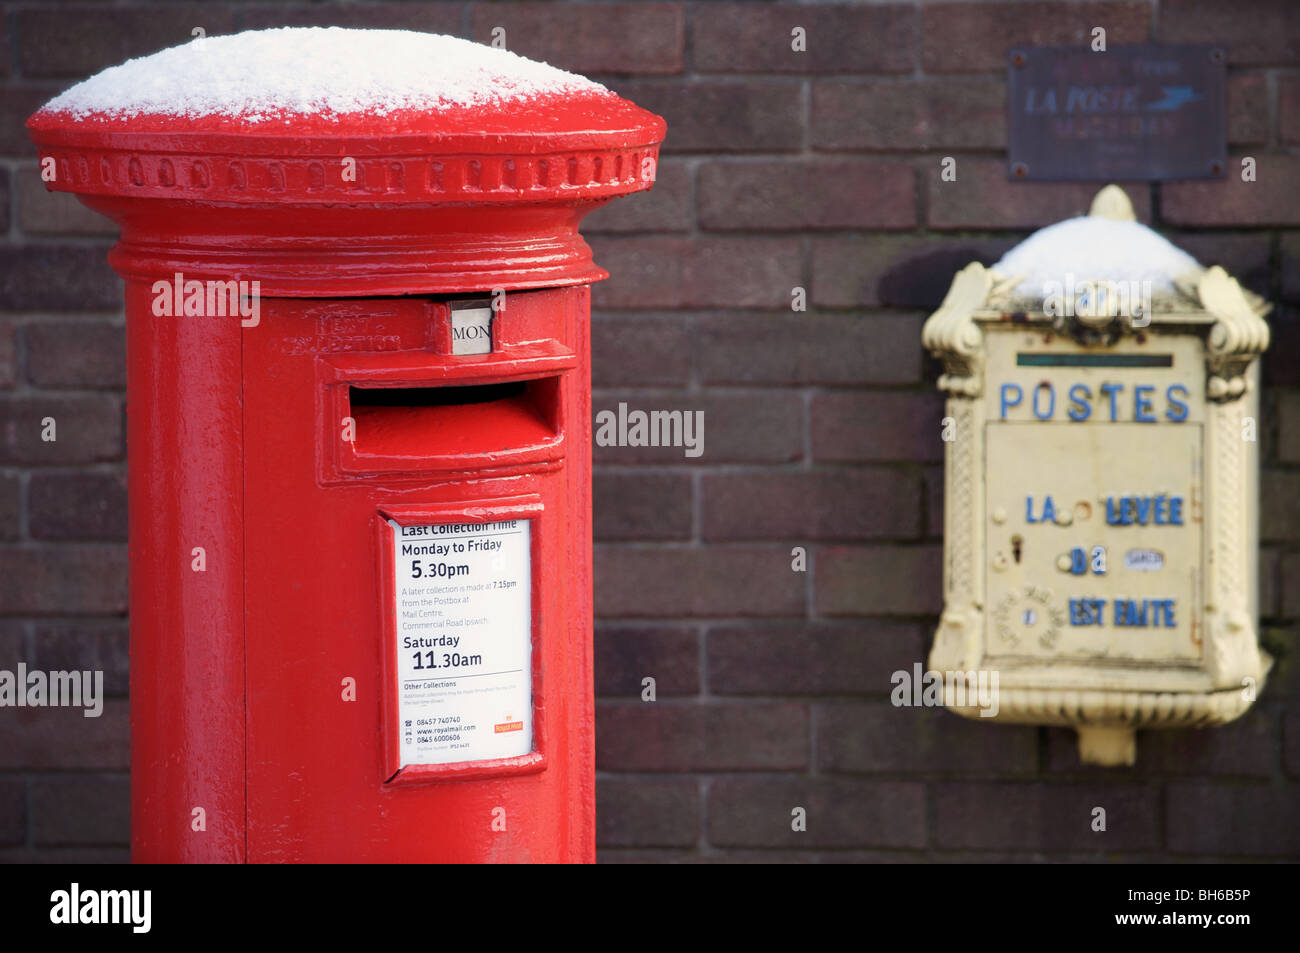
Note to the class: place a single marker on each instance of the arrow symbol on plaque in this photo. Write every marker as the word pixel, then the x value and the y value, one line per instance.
pixel 1175 97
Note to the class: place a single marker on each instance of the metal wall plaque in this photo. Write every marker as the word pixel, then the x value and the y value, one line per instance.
pixel 1151 113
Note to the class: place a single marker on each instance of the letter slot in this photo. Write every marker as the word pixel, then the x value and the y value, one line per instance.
pixel 462 419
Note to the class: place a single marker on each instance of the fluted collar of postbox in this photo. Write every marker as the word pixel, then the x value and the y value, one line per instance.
pixel 447 165
pixel 274 115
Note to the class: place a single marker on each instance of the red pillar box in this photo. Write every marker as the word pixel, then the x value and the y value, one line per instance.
pixel 359 435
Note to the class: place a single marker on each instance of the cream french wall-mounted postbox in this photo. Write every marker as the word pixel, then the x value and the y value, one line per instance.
pixel 1100 486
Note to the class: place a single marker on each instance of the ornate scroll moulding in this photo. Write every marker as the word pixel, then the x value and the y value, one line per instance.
pixel 1105 693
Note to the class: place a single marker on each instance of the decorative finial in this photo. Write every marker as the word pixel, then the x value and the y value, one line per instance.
pixel 1111 202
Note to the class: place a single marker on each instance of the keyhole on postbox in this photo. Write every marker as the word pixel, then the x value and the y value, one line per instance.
pixel 1016 542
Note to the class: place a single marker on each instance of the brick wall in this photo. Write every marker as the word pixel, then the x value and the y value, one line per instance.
pixel 817 170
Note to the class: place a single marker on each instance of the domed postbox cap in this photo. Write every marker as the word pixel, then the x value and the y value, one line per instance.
pixel 1108 246
pixel 1096 277
pixel 331 119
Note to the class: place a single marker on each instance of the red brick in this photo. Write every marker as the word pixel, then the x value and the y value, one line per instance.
pixel 1038 858
pixel 1260 33
pixel 647 812
pixel 8 355
pixel 679 736
pixel 1290 574
pixel 1243 748
pixel 934 501
pixel 85 644
pixel 681 582
pixel 1283 643
pixel 1037 816
pixel 13 810
pixel 63 739
pixel 424 17
pixel 721 115
pixel 645 506
pixel 1270 562
pixel 626 654
pixel 1272 199
pixel 1288 425
pixel 665 208
pixel 1290 247
pixel 879 738
pixel 13 643
pixel 973 37
pixel 64 580
pixel 879 580
pixel 895 271
pixel 714 856
pixel 913 857
pixel 877 426
pixel 1245 255
pixel 10 506
pixel 1288 108
pixel 810 658
pixel 66 855
pixel 983 197
pixel 701 272
pixel 82 355
pixel 87 429
pixel 640 351
pixel 1248 109
pixel 60 42
pixel 839 504
pixel 753 427
pixel 903 115
pixel 1279 503
pixel 1258 820
pixel 42 212
pixel 86 809
pixel 802 195
pixel 54 278
pixel 871 857
pixel 1291 743
pixel 745 38
pixel 602 38
pixel 16 105
pixel 810 349
pixel 754 812
pixel 1280 369
pixel 77 506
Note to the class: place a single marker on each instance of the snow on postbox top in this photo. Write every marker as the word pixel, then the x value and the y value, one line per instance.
pixel 323 121
pixel 1094 266
pixel 1096 278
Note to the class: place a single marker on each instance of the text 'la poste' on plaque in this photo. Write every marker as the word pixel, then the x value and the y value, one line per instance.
pixel 1137 113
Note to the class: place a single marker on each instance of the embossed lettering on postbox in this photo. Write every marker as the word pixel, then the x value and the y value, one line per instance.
pixel 1058 585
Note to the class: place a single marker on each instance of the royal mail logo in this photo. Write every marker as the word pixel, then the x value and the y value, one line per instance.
pixel 508 726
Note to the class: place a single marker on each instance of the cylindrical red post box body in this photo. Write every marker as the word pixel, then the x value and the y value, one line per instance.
pixel 359 440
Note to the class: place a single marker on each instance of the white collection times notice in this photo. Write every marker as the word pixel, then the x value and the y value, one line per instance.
pixel 463 601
